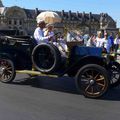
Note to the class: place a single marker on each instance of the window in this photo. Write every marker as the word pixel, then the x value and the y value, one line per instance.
pixel 20 27
pixel 10 22
pixel 20 22
pixel 15 22
pixel 10 27
pixel 21 32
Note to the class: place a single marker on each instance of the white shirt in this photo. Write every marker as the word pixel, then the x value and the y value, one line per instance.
pixel 39 36
pixel 117 41
pixel 99 42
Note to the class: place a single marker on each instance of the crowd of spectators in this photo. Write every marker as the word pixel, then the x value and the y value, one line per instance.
pixel 109 42
pixel 45 33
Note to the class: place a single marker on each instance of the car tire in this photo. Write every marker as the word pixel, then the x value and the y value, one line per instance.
pixel 46 58
pixel 7 70
pixel 92 80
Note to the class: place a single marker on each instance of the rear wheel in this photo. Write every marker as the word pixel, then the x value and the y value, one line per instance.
pixel 7 70
pixel 92 80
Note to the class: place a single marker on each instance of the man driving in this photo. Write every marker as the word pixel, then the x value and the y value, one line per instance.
pixel 39 33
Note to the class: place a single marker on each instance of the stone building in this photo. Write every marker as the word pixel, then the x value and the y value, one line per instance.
pixel 24 20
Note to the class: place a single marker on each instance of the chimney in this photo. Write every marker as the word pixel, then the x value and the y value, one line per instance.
pixel 62 13
pixel 36 11
pixel 90 15
pixel 77 14
pixel 83 16
pixel 69 14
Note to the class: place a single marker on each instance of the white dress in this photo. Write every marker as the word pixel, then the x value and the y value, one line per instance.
pixel 60 44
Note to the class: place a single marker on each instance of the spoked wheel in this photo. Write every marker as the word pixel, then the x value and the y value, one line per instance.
pixel 92 80
pixel 7 70
pixel 114 71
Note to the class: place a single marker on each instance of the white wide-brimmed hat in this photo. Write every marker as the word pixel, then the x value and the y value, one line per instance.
pixel 50 24
pixel 40 21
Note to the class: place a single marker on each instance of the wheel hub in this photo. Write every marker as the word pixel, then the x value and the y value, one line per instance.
pixel 92 82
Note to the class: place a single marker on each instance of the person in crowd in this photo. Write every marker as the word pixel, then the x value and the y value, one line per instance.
pixel 91 41
pixel 86 37
pixel 111 42
pixel 39 33
pixel 116 42
pixel 99 41
pixel 79 36
pixel 105 46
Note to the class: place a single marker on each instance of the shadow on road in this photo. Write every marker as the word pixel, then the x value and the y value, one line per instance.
pixel 113 94
pixel 63 84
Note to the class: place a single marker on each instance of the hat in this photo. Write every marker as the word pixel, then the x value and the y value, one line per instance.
pixel 49 24
pixel 39 21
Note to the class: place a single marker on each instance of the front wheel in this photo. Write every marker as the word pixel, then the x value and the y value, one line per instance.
pixel 92 80
pixel 7 70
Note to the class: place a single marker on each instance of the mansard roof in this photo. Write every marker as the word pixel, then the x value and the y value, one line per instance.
pixel 70 16
pixel 75 16
pixel 30 13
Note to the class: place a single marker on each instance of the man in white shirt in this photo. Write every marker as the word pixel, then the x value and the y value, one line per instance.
pixel 39 33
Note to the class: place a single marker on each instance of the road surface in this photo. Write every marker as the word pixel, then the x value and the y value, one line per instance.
pixel 44 98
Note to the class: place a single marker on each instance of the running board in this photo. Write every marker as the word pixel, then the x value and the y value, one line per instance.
pixel 35 73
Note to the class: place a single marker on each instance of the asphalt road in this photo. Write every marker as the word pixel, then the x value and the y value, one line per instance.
pixel 44 98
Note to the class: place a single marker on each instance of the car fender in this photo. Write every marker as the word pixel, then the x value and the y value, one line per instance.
pixel 7 56
pixel 72 70
pixel 92 59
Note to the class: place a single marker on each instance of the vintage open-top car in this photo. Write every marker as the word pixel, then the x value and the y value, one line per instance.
pixel 93 73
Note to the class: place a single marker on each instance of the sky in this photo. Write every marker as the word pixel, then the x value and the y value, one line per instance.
pixel 112 7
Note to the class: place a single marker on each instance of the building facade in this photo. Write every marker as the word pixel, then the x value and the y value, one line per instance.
pixel 24 20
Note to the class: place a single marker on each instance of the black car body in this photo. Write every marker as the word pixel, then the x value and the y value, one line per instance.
pixel 84 63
